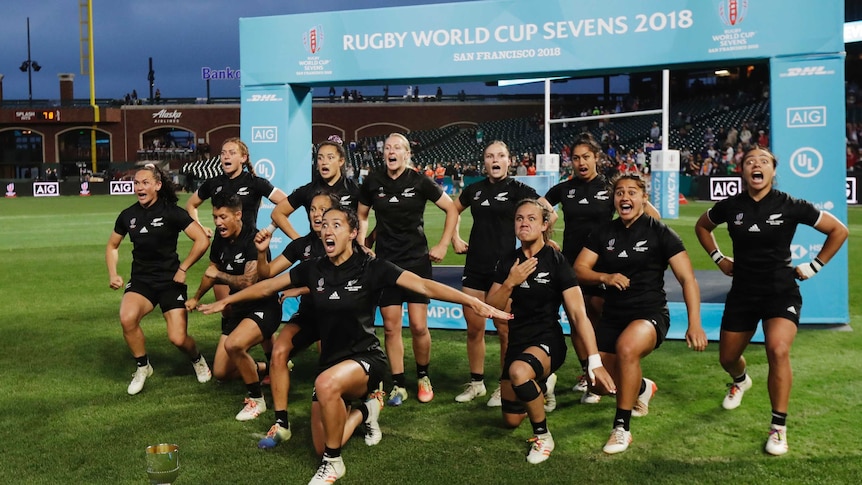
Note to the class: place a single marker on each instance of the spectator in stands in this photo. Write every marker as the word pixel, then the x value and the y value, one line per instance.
pixel 745 136
pixel 331 94
pixel 398 196
pixel 153 224
pixel 158 96
pixel 708 136
pixel 439 174
pixel 439 94
pixel 654 132
pixel 852 158
pixel 762 139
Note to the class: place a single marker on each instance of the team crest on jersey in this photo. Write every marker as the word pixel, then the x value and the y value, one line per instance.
pixel 611 244
pixel 641 246
pixel 242 191
pixel 408 192
pixel 738 220
pixel 775 220
pixel 157 222
pixel 352 286
pixel 602 195
pixel 320 285
pixel 571 194
pixel 239 258
pixel 345 200
pixel 502 197
pixel 542 277
pixel 132 222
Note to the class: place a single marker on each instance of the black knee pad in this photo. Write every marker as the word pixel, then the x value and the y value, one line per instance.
pixel 527 391
pixel 513 407
pixel 533 362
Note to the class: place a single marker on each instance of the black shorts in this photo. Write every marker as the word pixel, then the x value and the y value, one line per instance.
pixel 167 295
pixel 554 346
pixel 307 333
pixel 395 295
pixel 743 310
pixel 611 327
pixel 375 364
pixel 266 314
pixel 476 280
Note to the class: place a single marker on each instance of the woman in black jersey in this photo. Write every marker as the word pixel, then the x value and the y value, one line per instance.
pixel 153 224
pixel 761 222
pixel 586 201
pixel 535 280
pixel 300 331
pixel 398 196
pixel 329 178
pixel 238 178
pixel 233 262
pixel 492 204
pixel 629 256
pixel 343 289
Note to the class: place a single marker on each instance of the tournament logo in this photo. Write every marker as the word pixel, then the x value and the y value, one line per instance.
pixel 10 190
pixel 732 12
pixel 313 39
pixel 85 189
pixel 733 38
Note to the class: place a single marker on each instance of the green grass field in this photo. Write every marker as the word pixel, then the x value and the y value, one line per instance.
pixel 66 417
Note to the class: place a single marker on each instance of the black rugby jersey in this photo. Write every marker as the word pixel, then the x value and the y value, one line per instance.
pixel 153 231
pixel 762 233
pixel 304 248
pixel 536 302
pixel 231 258
pixel 641 253
pixel 250 189
pixel 345 298
pixel 493 209
pixel 399 209
pixel 345 188
pixel 585 205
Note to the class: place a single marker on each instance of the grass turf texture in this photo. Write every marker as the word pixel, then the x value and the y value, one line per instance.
pixel 67 418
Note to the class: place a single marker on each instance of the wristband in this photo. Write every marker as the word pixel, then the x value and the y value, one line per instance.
pixel 817 265
pixel 181 269
pixel 270 228
pixel 716 256
pixel 810 269
pixel 594 361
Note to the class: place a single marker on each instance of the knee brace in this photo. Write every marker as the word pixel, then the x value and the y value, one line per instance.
pixel 513 407
pixel 527 391
pixel 533 362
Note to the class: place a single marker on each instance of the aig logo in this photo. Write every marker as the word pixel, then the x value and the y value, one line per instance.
pixel 721 188
pixel 806 162
pixel 46 189
pixel 122 187
pixel 265 168
pixel 264 134
pixel 806 117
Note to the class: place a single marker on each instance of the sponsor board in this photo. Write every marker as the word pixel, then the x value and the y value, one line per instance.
pixel 122 187
pixel 46 189
pixel 721 188
pixel 806 116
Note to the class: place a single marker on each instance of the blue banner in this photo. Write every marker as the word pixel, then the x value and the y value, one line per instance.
pixel 279 148
pixel 807 113
pixel 527 39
